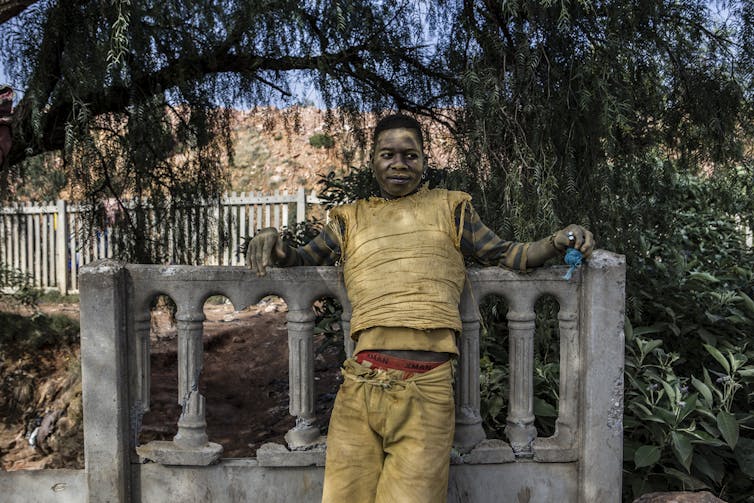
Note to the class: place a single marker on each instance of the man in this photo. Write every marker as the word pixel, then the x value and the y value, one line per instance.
pixel 392 424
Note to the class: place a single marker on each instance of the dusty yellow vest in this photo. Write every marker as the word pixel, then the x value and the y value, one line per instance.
pixel 402 263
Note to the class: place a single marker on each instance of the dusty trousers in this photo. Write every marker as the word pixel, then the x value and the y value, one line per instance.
pixel 390 438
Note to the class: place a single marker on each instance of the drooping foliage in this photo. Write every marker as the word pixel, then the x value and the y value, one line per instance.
pixel 567 102
pixel 137 96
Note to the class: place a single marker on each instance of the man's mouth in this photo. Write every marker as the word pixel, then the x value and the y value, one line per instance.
pixel 399 179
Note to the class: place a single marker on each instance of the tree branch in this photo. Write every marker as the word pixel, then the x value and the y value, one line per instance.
pixel 12 8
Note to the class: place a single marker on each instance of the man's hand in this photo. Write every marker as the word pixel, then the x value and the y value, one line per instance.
pixel 574 236
pixel 264 248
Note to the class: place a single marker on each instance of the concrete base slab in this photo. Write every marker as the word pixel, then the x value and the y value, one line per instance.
pixel 272 454
pixel 169 453
pixel 490 451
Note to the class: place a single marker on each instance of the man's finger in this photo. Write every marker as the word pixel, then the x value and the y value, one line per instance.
pixel 258 257
pixel 269 242
pixel 572 235
pixel 588 245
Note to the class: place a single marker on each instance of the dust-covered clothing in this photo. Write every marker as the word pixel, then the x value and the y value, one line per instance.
pixel 403 267
pixel 390 437
pixel 477 241
pixel 402 264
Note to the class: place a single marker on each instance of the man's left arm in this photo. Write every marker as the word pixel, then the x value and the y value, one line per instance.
pixel 480 242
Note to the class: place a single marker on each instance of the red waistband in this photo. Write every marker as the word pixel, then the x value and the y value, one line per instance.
pixel 383 361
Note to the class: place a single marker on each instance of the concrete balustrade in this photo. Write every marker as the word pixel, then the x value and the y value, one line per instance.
pixel 581 462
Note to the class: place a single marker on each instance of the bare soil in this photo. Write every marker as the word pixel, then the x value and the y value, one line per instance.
pixel 244 381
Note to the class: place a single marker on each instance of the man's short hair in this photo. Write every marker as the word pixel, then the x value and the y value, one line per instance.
pixel 398 121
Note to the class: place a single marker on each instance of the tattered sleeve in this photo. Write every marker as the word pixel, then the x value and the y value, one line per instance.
pixel 322 250
pixel 479 242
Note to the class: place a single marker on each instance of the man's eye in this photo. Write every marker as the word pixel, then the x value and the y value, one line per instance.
pixel 386 155
pixel 412 156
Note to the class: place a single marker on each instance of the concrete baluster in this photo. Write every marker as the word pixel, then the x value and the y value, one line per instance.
pixel 301 378
pixel 191 425
pixel 189 446
pixel 561 446
pixel 141 378
pixel 520 421
pixel 469 431
pixel 570 368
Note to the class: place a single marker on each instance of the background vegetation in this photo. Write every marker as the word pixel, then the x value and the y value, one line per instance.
pixel 633 117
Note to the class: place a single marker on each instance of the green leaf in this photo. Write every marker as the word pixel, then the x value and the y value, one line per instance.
pixel 711 386
pixel 496 404
pixel 669 391
pixel 737 360
pixel 747 372
pixel 654 329
pixel 710 465
pixel 646 455
pixel 689 482
pixel 645 411
pixel 544 409
pixel 656 419
pixel 652 345
pixel 744 454
pixel 728 426
pixel 667 416
pixel 683 449
pixel 703 389
pixel 690 405
pixel 707 336
pixel 704 277
pixel 704 438
pixel 717 355
pixel 748 302
pixel 628 329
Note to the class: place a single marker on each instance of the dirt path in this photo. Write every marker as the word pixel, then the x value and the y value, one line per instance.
pixel 244 381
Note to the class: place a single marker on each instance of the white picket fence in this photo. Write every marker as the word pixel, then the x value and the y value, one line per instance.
pixel 51 241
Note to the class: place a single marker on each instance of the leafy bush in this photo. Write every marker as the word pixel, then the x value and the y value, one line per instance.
pixel 25 335
pixel 689 371
pixel 16 287
pixel 689 374
pixel 321 140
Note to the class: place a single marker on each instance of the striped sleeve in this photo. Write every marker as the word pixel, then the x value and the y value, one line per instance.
pixel 479 242
pixel 322 250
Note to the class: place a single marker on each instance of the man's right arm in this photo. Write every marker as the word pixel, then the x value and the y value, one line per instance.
pixel 268 249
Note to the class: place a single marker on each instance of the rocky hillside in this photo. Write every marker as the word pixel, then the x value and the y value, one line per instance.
pixel 274 150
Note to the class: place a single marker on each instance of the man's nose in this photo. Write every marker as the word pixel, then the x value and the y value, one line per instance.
pixel 399 162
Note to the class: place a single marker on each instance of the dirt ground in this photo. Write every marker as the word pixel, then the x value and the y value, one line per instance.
pixel 244 381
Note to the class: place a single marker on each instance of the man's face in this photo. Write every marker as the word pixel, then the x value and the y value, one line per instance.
pixel 398 162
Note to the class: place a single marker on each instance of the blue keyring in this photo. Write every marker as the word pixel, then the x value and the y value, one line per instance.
pixel 573 258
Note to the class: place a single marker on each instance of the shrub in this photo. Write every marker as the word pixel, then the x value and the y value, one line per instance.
pixel 16 287
pixel 322 140
pixel 689 373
